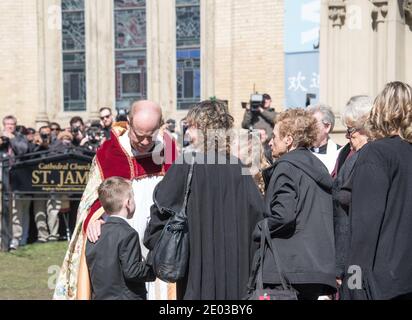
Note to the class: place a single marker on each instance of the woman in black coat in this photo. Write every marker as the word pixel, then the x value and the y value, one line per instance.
pixel 299 210
pixel 355 116
pixel 381 217
pixel 223 209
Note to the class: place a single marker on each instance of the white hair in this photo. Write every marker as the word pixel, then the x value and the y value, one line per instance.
pixel 328 117
pixel 357 111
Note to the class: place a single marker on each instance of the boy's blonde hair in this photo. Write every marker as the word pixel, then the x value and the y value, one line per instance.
pixel 112 193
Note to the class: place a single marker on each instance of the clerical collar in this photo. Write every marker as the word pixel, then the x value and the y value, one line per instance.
pixel 321 150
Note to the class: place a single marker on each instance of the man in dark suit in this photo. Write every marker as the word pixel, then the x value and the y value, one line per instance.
pixel 115 264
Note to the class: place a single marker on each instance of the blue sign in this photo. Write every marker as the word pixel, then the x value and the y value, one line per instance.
pixel 301 78
pixel 302 30
pixel 302 25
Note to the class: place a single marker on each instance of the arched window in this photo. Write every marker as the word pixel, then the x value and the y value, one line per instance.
pixel 188 52
pixel 130 46
pixel 74 56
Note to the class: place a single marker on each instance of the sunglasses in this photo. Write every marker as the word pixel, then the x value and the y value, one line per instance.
pixel 105 117
pixel 55 129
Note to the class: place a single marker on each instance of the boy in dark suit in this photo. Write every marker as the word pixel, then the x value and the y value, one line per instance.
pixel 115 264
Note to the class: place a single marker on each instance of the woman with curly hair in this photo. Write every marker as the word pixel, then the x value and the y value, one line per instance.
pixel 381 217
pixel 299 212
pixel 223 209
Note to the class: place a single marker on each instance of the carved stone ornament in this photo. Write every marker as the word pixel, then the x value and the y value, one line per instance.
pixel 337 12
pixel 379 12
pixel 407 9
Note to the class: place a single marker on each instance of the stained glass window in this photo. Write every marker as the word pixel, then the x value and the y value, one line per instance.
pixel 188 52
pixel 130 44
pixel 74 56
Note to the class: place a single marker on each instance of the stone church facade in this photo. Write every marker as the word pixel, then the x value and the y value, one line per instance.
pixel 61 58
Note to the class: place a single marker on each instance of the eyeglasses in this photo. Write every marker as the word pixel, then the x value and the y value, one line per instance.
pixel 105 117
pixel 351 131
pixel 55 129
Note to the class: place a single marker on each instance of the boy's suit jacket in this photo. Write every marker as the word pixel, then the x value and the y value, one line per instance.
pixel 115 263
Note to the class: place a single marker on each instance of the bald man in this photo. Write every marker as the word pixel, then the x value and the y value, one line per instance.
pixel 139 153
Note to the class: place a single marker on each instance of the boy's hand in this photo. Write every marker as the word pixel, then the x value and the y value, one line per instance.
pixel 94 230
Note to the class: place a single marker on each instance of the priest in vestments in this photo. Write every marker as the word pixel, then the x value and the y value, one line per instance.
pixel 138 152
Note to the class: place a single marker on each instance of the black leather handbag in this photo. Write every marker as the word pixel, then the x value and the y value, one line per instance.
pixel 256 290
pixel 171 253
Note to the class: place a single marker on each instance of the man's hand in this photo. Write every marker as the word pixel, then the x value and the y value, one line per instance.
pixel 94 230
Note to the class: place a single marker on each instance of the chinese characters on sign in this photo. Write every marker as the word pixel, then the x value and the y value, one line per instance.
pixel 302 79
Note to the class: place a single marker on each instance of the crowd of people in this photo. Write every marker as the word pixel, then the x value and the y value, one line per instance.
pixel 328 209
pixel 338 217
pixel 17 141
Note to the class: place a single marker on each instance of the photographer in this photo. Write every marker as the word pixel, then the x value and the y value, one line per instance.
pixel 260 116
pixel 42 140
pixel 106 118
pixel 77 130
pixel 95 137
pixel 55 130
pixel 170 127
pixel 30 134
pixel 122 115
pixel 12 143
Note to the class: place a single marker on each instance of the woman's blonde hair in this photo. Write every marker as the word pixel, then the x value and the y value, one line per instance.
pixel 252 155
pixel 392 112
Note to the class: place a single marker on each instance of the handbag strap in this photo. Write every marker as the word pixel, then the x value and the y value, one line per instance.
pixel 187 190
pixel 273 249
pixel 259 276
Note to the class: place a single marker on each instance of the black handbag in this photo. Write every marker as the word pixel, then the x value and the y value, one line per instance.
pixel 257 291
pixel 171 253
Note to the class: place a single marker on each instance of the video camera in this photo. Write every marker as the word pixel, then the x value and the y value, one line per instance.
pixel 257 101
pixel 75 130
pixel 45 138
pixel 95 134
pixel 6 142
pixel 121 115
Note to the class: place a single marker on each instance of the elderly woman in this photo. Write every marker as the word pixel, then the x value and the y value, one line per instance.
pixel 223 209
pixel 379 255
pixel 299 210
pixel 355 117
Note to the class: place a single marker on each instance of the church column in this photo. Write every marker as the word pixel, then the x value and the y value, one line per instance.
pixel 100 76
pixel 161 54
pixel 207 20
pixel 395 41
pixel 92 63
pixel 49 61
pixel 42 117
pixel 379 24
pixel 407 9
pixel 105 54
